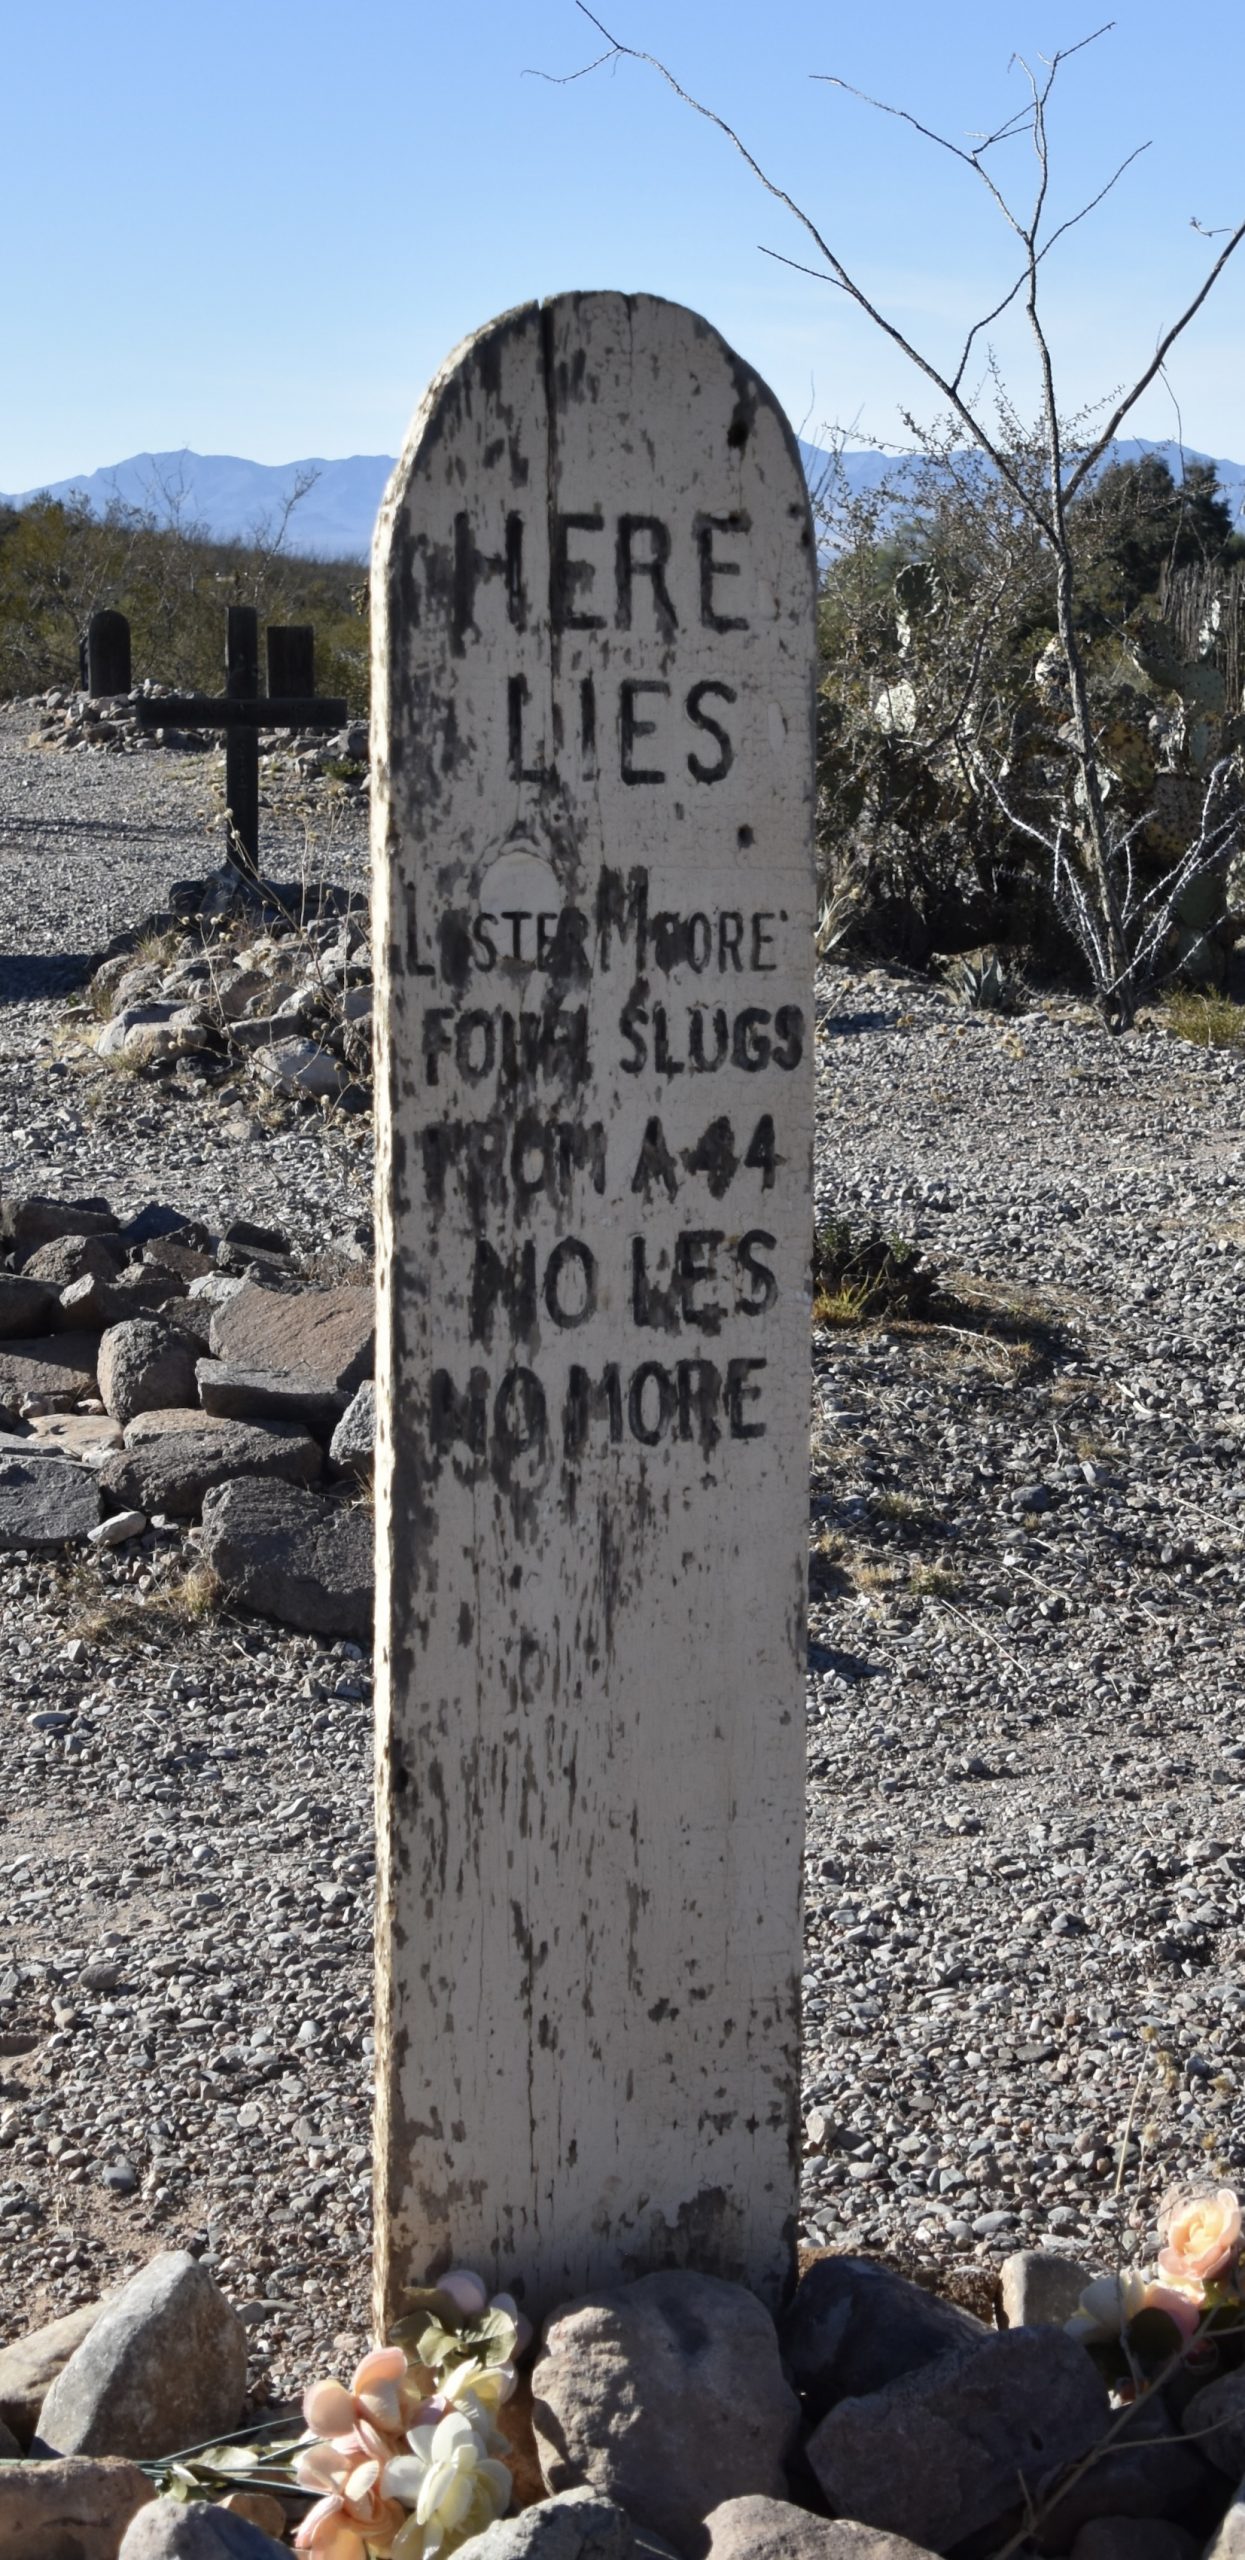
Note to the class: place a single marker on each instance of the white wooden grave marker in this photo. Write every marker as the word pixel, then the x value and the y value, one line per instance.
pixel 593 776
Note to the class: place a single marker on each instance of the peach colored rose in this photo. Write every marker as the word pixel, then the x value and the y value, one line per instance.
pixel 1203 2237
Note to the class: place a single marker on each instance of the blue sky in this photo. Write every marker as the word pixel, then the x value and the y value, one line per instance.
pixel 256 228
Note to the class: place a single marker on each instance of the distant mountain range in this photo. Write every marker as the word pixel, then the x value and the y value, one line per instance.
pixel 231 499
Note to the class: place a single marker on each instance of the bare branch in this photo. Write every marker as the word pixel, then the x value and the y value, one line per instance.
pixel 1094 201
pixel 971 159
pixel 1044 252
pixel 801 267
pixel 1097 883
pixel 563 79
pixel 838 274
pixel 1095 454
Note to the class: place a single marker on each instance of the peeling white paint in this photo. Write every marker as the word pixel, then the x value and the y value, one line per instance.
pixel 593 768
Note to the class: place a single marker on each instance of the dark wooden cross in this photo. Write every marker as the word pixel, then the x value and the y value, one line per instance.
pixel 291 702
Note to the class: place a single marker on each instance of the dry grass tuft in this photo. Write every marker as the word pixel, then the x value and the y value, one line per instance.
pixel 116 1620
pixel 1209 1021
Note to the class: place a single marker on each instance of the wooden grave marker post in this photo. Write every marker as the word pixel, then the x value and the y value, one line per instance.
pixel 593 622
pixel 291 702
pixel 104 654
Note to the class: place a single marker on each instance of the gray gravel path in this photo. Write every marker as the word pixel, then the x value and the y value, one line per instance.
pixel 1027 1768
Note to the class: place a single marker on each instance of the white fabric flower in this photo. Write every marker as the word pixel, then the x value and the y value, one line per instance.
pixel 1107 2305
pixel 452 2484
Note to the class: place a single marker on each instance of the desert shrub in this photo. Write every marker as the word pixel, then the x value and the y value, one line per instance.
pixel 861 1275
pixel 59 563
pixel 944 716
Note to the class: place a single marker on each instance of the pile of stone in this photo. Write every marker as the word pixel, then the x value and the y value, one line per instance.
pixel 876 2422
pixel 86 723
pixel 670 2419
pixel 155 1374
pixel 246 982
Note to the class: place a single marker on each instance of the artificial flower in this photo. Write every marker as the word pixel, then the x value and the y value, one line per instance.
pixel 488 2385
pixel 353 2515
pixel 522 2325
pixel 467 2292
pixel 1107 2305
pixel 1202 2236
pixel 452 2484
pixel 1110 2302
pixel 384 2393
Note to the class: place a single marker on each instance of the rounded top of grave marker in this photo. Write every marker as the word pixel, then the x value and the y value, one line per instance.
pixel 587 337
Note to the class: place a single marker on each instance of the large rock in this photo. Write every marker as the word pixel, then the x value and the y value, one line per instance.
pixel 171 1460
pixel 853 2326
pixel 92 1305
pixel 353 1445
pixel 300 1066
pixel 55 1373
pixel 950 2448
pixel 67 2510
pixel 248 1262
pixel 579 2525
pixel 26 1306
pixel 156 1220
pixel 45 1503
pixel 163 2367
pixel 1215 2419
pixel 666 2395
pixel 30 1220
pixel 178 1257
pixel 1147 2470
pixel 1040 2289
pixel 69 1258
pixel 153 1029
pixel 323 1334
pixel 258 1239
pixel 1139 2538
pixel 24 1444
pixel 282 1395
pixel 764 2529
pixel 87 1437
pixel 189 1317
pixel 170 2531
pixel 292 1556
pixel 144 1368
pixel 1229 2542
pixel 29 2366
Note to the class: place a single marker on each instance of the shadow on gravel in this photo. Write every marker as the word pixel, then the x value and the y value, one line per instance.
pixel 842 1026
pixel 31 977
pixel 863 1278
pixel 127 830
pixel 1032 1335
pixel 849 1667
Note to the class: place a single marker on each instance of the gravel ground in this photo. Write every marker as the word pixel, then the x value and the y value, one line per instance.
pixel 1027 1788
pixel 1027 1796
